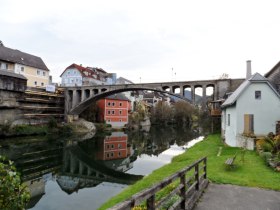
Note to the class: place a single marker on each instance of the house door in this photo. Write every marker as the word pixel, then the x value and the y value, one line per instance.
pixel 248 124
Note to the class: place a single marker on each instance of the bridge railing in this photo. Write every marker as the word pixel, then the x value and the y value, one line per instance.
pixel 185 187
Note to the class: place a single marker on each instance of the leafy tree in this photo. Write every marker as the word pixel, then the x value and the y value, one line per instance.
pixel 13 194
pixel 183 112
pixel 162 113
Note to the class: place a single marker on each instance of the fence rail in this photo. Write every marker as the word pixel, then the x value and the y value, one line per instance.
pixel 189 184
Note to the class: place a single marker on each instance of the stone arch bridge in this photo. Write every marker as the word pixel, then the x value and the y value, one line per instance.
pixel 78 98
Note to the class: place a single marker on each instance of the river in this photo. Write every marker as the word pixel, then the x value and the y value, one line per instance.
pixel 69 173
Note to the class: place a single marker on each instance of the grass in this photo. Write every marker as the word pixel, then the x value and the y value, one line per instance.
pixel 252 172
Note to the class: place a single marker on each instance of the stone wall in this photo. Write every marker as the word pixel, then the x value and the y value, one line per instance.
pixel 245 142
pixel 30 107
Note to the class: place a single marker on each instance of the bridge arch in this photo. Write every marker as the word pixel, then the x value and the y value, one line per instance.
pixel 176 88
pixel 77 107
pixel 210 91
pixel 220 87
pixel 166 88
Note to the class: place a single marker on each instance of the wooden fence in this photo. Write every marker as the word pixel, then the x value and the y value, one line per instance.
pixel 188 185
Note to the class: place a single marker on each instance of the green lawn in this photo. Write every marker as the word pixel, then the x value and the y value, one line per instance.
pixel 251 172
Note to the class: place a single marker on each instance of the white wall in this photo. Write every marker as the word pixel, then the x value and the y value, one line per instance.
pixel 265 111
pixel 71 77
pixel 230 130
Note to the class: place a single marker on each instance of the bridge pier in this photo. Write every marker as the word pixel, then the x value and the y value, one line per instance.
pixel 193 94
pixel 204 99
pixel 182 91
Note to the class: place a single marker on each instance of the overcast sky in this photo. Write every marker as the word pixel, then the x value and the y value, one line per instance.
pixel 145 39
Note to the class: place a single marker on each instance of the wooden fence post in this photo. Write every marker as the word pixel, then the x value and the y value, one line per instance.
pixel 205 168
pixel 197 176
pixel 151 203
pixel 183 190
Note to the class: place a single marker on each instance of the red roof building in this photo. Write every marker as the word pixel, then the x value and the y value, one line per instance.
pixel 77 75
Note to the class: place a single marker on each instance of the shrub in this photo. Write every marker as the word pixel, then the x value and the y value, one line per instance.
pixel 13 194
pixel 266 156
pixel 266 147
pixel 52 123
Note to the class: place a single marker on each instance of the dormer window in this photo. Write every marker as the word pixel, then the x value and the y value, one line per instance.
pixel 22 69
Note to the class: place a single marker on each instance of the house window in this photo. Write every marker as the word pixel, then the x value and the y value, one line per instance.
pixel 21 68
pixel 119 146
pixel 112 154
pixel 112 146
pixel 248 124
pixel 35 83
pixel 108 155
pixel 108 146
pixel 120 103
pixel 42 84
pixel 120 154
pixel 113 111
pixel 120 112
pixel 113 104
pixel 109 112
pixel 38 72
pixel 120 120
pixel 258 94
pixel 109 120
pixel 228 120
pixel 109 104
pixel 44 73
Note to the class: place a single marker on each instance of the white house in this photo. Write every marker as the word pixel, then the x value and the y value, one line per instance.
pixel 77 75
pixel 252 109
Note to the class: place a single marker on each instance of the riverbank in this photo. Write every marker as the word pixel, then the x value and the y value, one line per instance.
pixel 79 127
pixel 250 169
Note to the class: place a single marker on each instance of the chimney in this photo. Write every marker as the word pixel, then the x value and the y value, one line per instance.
pixel 248 70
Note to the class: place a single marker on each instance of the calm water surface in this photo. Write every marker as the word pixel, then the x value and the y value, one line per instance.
pixel 83 174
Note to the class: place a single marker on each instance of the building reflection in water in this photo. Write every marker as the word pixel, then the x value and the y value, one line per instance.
pixel 115 152
pixel 75 165
pixel 90 163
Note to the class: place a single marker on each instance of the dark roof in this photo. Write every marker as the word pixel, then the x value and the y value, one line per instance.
pixel 272 70
pixel 16 56
pixel 119 96
pixel 256 78
pixel 12 74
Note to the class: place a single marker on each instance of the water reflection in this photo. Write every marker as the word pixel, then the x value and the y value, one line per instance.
pixel 84 174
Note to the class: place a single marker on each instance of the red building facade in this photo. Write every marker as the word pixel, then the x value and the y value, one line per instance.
pixel 114 147
pixel 114 110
